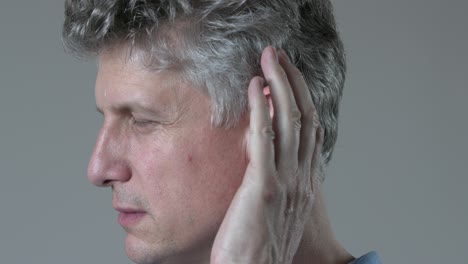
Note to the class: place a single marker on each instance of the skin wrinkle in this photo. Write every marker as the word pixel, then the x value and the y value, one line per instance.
pixel 153 173
pixel 185 158
pixel 213 55
pixel 156 175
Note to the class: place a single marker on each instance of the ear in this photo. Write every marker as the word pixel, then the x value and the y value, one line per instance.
pixel 267 93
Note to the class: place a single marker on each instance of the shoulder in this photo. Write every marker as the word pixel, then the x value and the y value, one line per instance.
pixel 369 258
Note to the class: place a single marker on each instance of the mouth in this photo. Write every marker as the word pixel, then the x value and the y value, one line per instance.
pixel 129 216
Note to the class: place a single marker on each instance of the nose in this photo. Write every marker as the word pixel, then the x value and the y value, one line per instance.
pixel 108 164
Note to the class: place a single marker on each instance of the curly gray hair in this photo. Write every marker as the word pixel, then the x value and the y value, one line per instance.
pixel 217 44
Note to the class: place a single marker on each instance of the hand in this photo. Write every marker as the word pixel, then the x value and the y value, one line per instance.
pixel 266 218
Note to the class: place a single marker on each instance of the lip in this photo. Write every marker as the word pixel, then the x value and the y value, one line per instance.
pixel 129 216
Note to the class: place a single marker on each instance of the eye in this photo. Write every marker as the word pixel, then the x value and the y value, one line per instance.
pixel 141 122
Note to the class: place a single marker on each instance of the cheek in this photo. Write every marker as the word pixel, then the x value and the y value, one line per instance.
pixel 191 169
pixel 190 179
pixel 217 163
pixel 205 171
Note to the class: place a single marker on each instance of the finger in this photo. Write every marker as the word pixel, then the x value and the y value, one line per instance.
pixel 316 158
pixel 260 146
pixel 309 118
pixel 286 113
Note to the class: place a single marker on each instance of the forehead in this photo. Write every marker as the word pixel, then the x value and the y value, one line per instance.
pixel 123 78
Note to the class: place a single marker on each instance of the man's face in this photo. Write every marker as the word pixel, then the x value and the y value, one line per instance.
pixel 172 175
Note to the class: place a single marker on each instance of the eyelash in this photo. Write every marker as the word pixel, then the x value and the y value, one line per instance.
pixel 141 123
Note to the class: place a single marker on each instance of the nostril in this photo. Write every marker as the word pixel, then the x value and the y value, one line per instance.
pixel 106 183
pixel 105 172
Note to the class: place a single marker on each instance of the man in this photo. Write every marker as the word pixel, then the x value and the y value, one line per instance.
pixel 211 142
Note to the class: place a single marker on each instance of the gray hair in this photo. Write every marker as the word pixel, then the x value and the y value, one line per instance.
pixel 216 45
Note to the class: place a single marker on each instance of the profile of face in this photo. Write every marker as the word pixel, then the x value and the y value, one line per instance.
pixel 172 174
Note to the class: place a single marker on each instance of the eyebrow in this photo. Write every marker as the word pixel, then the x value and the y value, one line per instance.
pixel 130 107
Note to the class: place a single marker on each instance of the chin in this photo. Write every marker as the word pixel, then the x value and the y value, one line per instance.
pixel 140 252
pixel 166 251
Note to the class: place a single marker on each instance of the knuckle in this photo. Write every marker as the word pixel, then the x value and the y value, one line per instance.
pixel 305 194
pixel 267 132
pixel 315 120
pixel 295 117
pixel 310 114
pixel 272 191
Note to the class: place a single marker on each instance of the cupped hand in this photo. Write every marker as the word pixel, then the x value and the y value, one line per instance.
pixel 266 218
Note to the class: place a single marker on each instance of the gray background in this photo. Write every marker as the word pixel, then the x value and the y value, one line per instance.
pixel 397 183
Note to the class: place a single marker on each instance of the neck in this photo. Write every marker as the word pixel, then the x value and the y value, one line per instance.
pixel 318 244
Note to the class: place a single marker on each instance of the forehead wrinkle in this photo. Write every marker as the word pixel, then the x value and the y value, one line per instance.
pixel 117 75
